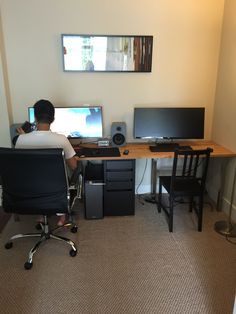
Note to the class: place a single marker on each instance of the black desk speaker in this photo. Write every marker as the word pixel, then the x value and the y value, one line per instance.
pixel 118 133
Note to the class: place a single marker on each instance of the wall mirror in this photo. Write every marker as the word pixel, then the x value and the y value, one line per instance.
pixel 107 53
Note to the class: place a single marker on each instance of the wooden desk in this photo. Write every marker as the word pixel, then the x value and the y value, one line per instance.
pixel 141 150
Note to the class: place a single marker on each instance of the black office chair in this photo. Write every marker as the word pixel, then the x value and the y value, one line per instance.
pixel 35 182
pixel 187 180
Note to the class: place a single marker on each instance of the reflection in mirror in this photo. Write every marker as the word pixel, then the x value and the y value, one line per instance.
pixel 107 53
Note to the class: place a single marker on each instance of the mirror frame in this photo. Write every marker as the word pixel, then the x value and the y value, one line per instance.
pixel 127 53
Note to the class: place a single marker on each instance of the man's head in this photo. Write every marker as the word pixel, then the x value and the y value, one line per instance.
pixel 44 111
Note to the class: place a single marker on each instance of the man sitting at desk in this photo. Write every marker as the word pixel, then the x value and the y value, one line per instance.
pixel 42 137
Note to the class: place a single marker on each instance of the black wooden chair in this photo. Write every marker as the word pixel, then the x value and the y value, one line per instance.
pixel 35 182
pixel 188 179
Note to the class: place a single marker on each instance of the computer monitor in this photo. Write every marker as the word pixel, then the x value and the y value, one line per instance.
pixel 169 123
pixel 76 122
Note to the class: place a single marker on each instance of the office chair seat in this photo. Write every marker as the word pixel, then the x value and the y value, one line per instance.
pixel 182 186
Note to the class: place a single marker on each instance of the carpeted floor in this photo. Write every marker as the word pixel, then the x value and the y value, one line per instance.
pixel 125 265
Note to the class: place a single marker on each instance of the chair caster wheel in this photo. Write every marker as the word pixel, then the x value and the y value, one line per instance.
pixel 8 245
pixel 74 229
pixel 73 253
pixel 28 265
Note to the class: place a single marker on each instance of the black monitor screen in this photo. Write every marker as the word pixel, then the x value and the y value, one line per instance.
pixel 76 122
pixel 172 123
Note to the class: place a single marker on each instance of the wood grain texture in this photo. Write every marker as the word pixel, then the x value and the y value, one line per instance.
pixel 141 150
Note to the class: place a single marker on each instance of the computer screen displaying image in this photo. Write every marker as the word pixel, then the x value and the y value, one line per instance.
pixel 76 122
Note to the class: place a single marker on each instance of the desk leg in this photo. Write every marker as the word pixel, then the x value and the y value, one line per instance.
pixel 152 197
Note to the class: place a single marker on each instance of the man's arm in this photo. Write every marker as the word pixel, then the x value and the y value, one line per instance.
pixel 72 163
pixel 19 132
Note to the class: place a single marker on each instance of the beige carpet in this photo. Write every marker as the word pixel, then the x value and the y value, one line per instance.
pixel 124 265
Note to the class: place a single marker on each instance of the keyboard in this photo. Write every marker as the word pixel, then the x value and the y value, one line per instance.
pixel 97 152
pixel 167 147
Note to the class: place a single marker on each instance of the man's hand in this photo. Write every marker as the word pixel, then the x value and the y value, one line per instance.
pixel 20 131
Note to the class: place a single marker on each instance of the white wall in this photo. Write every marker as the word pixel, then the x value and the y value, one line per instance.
pixel 185 55
pixel 4 121
pixel 224 123
pixel 224 126
pixel 4 114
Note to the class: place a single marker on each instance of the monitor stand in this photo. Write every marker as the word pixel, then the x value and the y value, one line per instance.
pixel 164 146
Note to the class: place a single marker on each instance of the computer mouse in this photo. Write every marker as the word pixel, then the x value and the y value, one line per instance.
pixel 126 152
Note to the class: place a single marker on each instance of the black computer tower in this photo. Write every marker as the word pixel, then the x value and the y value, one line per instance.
pixel 93 191
pixel 119 194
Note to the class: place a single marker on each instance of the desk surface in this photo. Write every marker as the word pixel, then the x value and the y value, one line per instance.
pixel 141 150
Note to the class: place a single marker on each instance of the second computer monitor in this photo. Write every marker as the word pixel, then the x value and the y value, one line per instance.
pixel 76 122
pixel 169 123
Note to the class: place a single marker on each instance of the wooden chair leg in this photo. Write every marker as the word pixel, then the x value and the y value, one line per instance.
pixel 159 198
pixel 200 212
pixel 171 213
pixel 190 204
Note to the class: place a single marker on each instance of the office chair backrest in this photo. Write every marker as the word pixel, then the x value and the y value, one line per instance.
pixel 34 181
pixel 192 165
